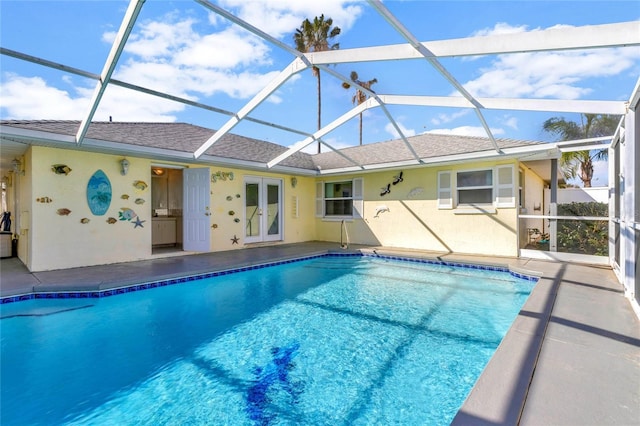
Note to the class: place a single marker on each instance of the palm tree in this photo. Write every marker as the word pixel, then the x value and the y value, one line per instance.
pixel 591 126
pixel 315 37
pixel 360 96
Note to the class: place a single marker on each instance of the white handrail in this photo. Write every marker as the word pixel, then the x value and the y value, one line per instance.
pixel 343 225
pixel 541 216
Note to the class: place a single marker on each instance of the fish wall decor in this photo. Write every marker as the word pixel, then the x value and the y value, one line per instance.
pixel 126 213
pixel 63 211
pixel 415 192
pixel 61 169
pixel 381 209
pixel 140 185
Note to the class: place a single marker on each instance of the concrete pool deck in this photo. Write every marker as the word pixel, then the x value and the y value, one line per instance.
pixel 572 356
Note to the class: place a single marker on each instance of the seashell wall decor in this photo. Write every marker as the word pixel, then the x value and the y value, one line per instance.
pixel 63 211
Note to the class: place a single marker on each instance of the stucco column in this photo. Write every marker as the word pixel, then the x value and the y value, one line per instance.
pixel 553 206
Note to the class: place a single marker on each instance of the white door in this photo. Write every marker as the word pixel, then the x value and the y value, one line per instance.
pixel 196 210
pixel 263 209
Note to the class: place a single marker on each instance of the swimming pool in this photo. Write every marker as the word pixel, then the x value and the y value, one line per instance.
pixel 326 340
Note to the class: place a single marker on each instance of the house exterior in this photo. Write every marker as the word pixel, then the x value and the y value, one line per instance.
pixel 462 194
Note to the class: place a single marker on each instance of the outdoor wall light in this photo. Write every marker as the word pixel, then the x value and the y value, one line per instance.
pixel 124 164
pixel 294 182
pixel 16 165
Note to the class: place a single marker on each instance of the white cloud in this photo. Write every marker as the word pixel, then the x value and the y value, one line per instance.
pixel 281 17
pixel 184 57
pixel 510 122
pixel 126 105
pixel 547 74
pixel 499 29
pixel 446 118
pixel 466 131
pixel 161 38
pixel 394 133
pixel 544 75
pixel 33 98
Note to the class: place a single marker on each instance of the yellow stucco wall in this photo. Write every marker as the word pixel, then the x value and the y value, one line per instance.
pixel 416 222
pixel 52 241
pixel 296 228
pixel 62 241
pixel 21 188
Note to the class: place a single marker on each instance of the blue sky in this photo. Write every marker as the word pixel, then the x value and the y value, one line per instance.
pixel 180 48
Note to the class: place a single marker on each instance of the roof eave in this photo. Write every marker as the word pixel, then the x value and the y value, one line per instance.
pixel 542 151
pixel 56 140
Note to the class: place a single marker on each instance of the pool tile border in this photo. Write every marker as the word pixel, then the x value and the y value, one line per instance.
pixel 171 281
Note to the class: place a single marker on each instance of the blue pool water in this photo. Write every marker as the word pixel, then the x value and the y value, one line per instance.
pixel 328 340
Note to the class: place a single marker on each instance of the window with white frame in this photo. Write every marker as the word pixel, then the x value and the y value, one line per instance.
pixel 475 187
pixel 479 187
pixel 521 188
pixel 339 199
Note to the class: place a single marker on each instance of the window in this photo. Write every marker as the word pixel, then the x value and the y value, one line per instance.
pixel 339 199
pixel 475 187
pixel 495 187
pixel 520 188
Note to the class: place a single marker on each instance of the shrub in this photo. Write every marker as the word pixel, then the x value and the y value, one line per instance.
pixel 585 237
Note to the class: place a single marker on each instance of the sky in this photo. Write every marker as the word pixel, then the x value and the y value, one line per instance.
pixel 181 48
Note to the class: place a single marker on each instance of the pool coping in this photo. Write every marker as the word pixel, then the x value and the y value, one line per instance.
pixel 113 290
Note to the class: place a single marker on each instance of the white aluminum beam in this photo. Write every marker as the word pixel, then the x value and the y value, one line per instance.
pixel 220 11
pixel 515 104
pixel 46 63
pixel 343 155
pixel 431 58
pixel 566 38
pixel 116 50
pixel 556 105
pixel 135 87
pixel 635 97
pixel 379 102
pixel 326 129
pixel 294 67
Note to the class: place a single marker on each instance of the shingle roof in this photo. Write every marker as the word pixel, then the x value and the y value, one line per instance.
pixel 180 137
pixel 425 145
pixel 183 137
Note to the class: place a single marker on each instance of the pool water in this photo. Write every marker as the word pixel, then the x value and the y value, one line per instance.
pixel 328 340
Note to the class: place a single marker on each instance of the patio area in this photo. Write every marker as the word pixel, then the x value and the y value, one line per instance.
pixel 572 356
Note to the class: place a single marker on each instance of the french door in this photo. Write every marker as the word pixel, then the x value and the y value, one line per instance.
pixel 263 209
